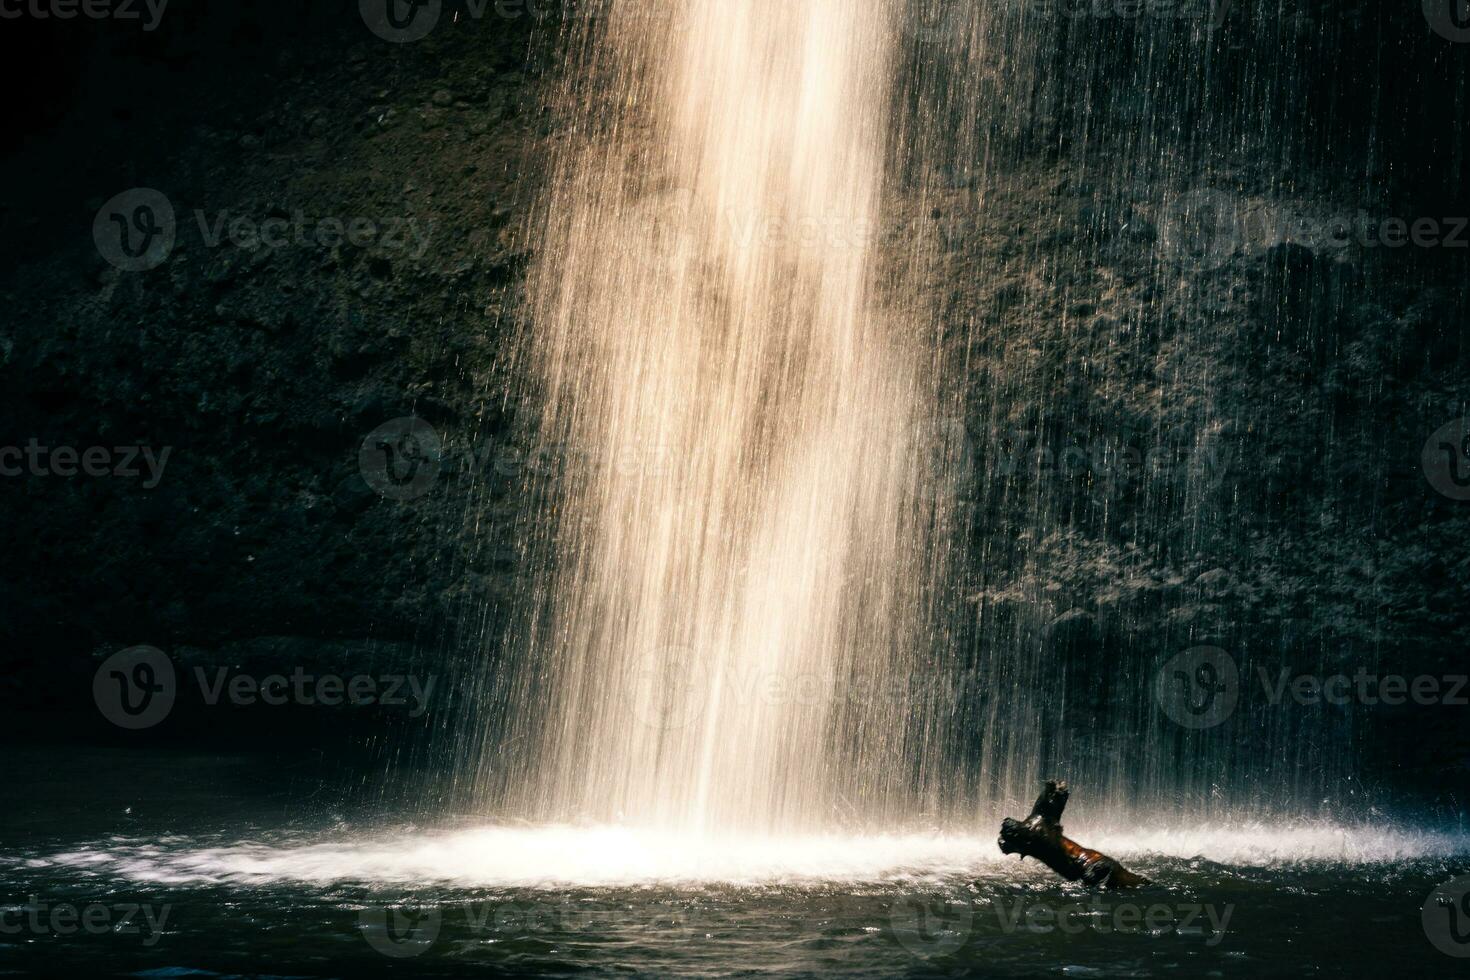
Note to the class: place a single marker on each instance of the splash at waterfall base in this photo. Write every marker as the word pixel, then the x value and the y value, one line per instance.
pixel 254 884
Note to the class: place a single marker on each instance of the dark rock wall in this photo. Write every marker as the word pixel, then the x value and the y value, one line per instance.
pixel 258 355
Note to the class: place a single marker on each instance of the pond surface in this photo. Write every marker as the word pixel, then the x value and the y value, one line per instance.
pixel 215 865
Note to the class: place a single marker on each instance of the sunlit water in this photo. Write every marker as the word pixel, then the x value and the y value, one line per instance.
pixel 574 901
pixel 613 857
pixel 258 867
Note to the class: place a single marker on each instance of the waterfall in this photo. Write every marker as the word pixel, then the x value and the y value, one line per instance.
pixel 821 535
pixel 745 555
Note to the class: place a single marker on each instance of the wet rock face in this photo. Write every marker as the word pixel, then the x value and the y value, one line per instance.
pixel 1227 453
pixel 304 276
pixel 1176 432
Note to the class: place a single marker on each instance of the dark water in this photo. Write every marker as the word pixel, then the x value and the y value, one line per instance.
pixel 194 865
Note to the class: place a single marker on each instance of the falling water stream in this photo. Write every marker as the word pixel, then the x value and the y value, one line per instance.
pixel 753 542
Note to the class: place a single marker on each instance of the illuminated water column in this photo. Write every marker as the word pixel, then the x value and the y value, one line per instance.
pixel 745 554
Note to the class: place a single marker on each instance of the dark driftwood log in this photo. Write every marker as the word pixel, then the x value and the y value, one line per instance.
pixel 1040 836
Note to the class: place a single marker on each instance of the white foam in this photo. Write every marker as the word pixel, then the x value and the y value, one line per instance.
pixel 555 856
pixel 535 857
pixel 1269 844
